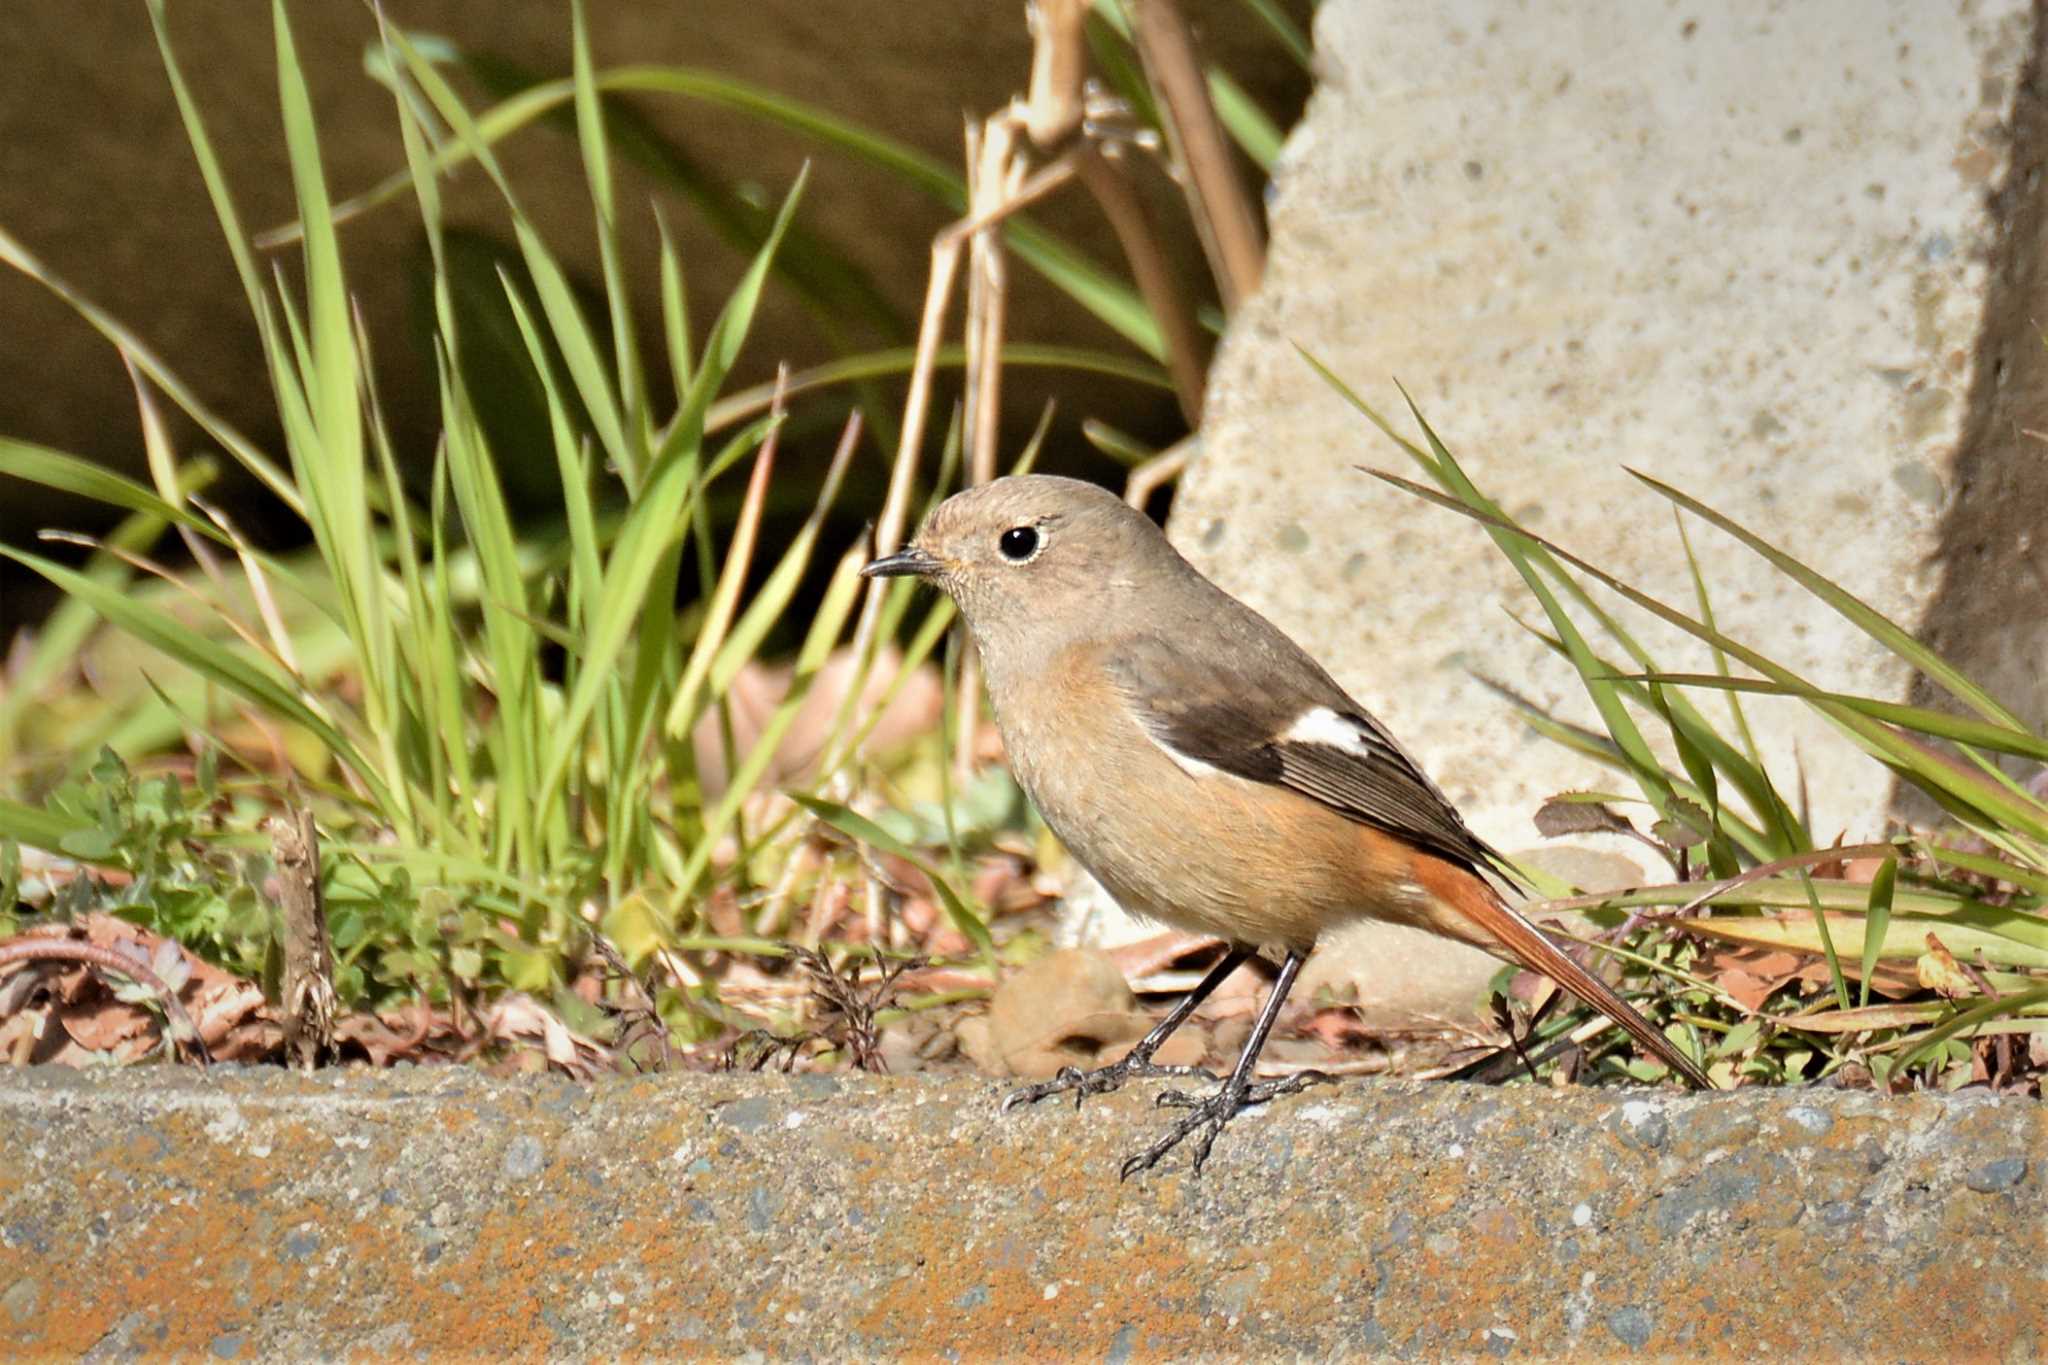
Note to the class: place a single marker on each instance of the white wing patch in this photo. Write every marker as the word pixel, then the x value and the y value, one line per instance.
pixel 1321 725
pixel 1193 767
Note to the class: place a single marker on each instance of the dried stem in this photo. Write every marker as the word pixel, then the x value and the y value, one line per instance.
pixel 995 174
pixel 1225 219
pixel 1059 70
pixel 306 1003
pixel 1109 182
pixel 1162 468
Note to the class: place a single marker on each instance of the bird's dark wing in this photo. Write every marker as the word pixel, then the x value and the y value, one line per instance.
pixel 1270 713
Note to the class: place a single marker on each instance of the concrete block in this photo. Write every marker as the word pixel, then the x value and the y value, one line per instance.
pixel 1781 255
pixel 257 1215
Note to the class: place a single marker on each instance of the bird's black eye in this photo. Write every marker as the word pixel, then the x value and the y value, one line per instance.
pixel 1018 544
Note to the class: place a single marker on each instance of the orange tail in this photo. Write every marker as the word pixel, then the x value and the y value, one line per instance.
pixel 1488 922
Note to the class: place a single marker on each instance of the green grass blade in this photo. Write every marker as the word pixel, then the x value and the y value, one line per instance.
pixel 1856 940
pixel 824 633
pixel 450 719
pixel 771 600
pixel 209 166
pixel 831 284
pixel 1987 865
pixel 1858 612
pixel 725 584
pixel 1283 27
pixel 510 640
pixel 1101 292
pixel 586 576
pixel 745 403
pixel 675 311
pixel 337 413
pixel 59 640
pixel 225 668
pixel 580 354
pixel 857 826
pixel 69 474
pixel 679 453
pixel 630 379
pixel 1680 715
pixel 37 826
pixel 1755 777
pixel 1524 552
pixel 1116 61
pixel 1970 1018
pixel 332 465
pixel 729 333
pixel 1247 124
pixel 640 569
pixel 1977 734
pixel 1962 792
pixel 245 452
pixel 1836 977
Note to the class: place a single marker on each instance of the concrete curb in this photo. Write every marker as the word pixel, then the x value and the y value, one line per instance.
pixel 256 1214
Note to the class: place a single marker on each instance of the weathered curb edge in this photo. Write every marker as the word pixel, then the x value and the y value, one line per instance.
pixel 256 1214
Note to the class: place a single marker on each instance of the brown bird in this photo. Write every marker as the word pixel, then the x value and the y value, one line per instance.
pixel 1207 770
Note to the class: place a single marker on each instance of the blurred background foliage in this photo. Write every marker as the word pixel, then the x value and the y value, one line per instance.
pixel 96 178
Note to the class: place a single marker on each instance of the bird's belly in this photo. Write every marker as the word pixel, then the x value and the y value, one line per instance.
pixel 1216 855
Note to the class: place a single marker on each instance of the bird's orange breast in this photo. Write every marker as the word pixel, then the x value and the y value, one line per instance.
pixel 1207 851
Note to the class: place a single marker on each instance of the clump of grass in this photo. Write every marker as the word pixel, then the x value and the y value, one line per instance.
pixel 494 730
pixel 1948 924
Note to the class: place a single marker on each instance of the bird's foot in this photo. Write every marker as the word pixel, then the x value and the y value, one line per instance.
pixel 1100 1081
pixel 1208 1115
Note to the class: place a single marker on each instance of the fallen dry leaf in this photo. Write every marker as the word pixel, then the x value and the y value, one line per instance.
pixel 1162 952
pixel 1938 971
pixel 1749 976
pixel 93 1021
pixel 1065 1009
pixel 519 1018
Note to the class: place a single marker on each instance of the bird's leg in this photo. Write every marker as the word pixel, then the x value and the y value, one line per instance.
pixel 1208 1116
pixel 1138 1061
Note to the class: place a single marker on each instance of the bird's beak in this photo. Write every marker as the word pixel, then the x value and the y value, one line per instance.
pixel 908 562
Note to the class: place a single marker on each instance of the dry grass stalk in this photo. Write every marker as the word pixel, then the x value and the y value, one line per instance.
pixel 1225 219
pixel 306 998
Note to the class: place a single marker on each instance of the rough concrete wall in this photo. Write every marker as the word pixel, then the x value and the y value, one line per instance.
pixel 1747 250
pixel 256 1215
pixel 1782 255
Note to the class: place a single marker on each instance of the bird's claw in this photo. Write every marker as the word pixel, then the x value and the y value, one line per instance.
pixel 1100 1081
pixel 1258 1092
pixel 1210 1114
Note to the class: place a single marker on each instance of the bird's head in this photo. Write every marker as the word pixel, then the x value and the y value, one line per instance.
pixel 1030 550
